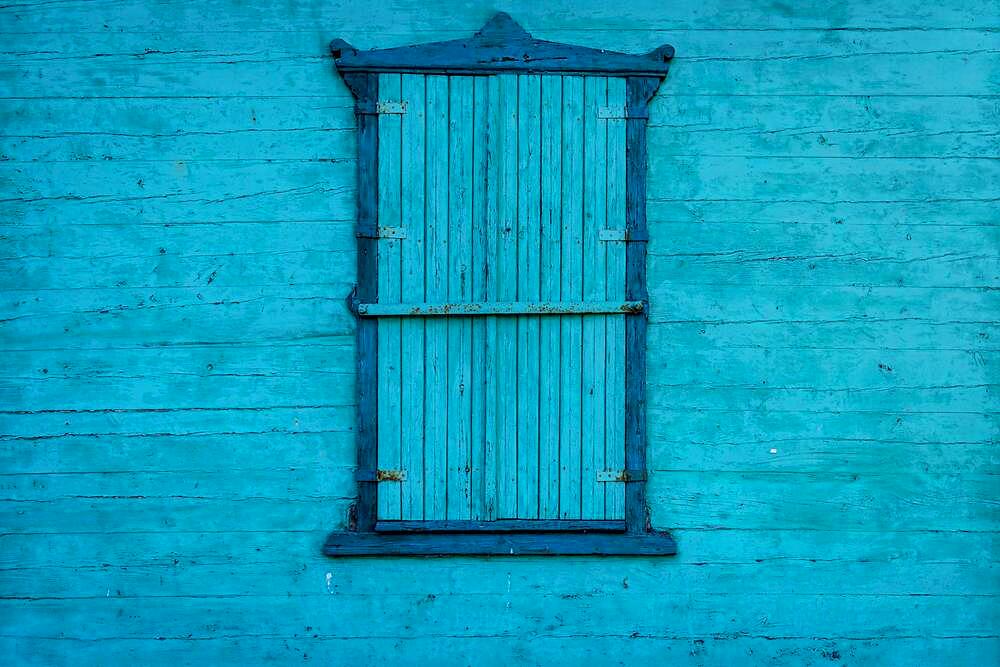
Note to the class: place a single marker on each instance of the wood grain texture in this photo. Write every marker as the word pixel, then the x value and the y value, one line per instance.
pixel 178 428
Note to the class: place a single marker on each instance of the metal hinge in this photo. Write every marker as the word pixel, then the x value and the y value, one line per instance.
pixel 380 476
pixel 381 232
pixel 383 107
pixel 618 112
pixel 621 475
pixel 622 235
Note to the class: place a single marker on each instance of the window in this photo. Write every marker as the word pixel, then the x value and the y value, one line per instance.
pixel 501 297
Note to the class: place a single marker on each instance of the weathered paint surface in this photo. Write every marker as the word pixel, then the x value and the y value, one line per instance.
pixel 478 452
pixel 178 353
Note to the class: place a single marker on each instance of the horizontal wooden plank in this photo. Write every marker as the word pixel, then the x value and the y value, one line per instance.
pixel 184 422
pixel 177 255
pixel 205 316
pixel 151 565
pixel 185 576
pixel 823 126
pixel 664 614
pixel 811 441
pixel 102 128
pixel 825 254
pixel 857 371
pixel 229 480
pixel 808 179
pixel 934 267
pixel 177 377
pixel 822 333
pixel 830 208
pixel 175 391
pixel 815 455
pixel 126 514
pixel 299 550
pixel 333 356
pixel 109 192
pixel 853 429
pixel 153 453
pixel 495 650
pixel 823 501
pixel 805 316
pixel 409 21
pixel 972 397
pixel 712 303
pixel 928 309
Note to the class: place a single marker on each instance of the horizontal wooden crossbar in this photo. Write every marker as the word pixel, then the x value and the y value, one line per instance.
pixel 499 308
pixel 503 525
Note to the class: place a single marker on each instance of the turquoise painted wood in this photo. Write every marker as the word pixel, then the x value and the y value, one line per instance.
pixel 475 449
pixel 177 399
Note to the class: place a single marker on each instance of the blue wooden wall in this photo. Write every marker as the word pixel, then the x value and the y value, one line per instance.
pixel 177 377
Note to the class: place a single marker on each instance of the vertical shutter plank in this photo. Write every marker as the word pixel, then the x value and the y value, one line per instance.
pixel 412 329
pixel 492 234
pixel 550 269
pixel 389 431
pixel 436 251
pixel 615 405
pixel 528 236
pixel 506 269
pixel 480 277
pixel 593 349
pixel 571 290
pixel 458 279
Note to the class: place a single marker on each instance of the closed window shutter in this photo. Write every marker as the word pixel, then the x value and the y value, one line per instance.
pixel 503 191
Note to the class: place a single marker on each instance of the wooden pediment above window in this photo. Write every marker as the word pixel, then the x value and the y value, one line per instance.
pixel 501 46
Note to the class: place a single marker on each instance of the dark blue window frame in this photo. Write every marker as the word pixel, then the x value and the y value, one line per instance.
pixel 501 46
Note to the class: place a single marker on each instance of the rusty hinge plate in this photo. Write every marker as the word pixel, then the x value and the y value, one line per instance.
pixel 383 107
pixel 620 475
pixel 619 112
pixel 382 232
pixel 622 235
pixel 380 476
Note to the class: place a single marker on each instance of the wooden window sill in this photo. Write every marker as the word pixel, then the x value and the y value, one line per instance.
pixel 350 543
